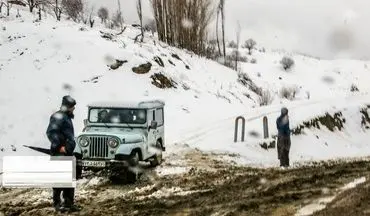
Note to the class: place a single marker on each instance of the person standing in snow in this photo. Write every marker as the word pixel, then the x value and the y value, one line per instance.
pixel 283 143
pixel 60 133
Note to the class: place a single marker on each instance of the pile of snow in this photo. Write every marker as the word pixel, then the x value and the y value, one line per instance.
pixel 168 192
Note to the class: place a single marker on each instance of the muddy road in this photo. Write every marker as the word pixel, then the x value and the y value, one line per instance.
pixel 209 187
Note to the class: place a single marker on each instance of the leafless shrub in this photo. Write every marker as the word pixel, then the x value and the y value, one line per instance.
pixel 246 81
pixel 287 62
pixel 211 50
pixel 288 92
pixel 236 56
pixel 265 98
pixel 232 44
pixel 354 88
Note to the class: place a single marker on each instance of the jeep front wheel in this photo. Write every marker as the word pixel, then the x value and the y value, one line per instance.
pixel 134 159
pixel 157 158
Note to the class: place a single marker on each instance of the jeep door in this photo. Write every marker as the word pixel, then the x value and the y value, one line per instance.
pixel 152 133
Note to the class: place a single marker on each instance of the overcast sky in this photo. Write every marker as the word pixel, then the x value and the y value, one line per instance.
pixel 306 26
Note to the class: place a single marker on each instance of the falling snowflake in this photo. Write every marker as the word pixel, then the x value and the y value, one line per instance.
pixel 325 191
pixel 115 119
pixel 263 181
pixel 109 59
pixel 186 23
pixel 58 116
pixel 67 87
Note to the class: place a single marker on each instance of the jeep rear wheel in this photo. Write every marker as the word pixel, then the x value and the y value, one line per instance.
pixel 157 159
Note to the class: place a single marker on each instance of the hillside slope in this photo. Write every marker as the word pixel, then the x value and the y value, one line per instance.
pixel 42 61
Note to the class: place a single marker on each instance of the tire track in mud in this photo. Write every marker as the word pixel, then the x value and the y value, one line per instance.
pixel 209 187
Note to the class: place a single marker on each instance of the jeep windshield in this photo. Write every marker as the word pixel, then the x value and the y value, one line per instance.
pixel 117 116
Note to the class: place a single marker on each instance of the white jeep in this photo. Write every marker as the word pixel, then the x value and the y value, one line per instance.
pixel 120 135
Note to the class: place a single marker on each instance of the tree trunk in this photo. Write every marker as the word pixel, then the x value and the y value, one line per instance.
pixel 218 40
pixel 39 12
pixel 31 5
pixel 8 9
pixel 223 27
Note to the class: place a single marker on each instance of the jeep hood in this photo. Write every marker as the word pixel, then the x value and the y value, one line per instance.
pixel 130 136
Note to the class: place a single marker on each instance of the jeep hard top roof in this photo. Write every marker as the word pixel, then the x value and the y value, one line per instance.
pixel 143 104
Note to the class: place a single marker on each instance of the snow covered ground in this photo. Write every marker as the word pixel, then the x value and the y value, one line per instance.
pixel 42 61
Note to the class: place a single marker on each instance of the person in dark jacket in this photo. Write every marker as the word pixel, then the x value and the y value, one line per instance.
pixel 283 143
pixel 60 133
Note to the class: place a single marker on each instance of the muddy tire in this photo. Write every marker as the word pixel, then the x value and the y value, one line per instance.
pixel 134 159
pixel 132 176
pixel 132 173
pixel 157 160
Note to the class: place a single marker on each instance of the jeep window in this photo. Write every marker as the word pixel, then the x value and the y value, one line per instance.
pixel 117 116
pixel 159 116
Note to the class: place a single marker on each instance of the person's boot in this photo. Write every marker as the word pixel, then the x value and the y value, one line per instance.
pixel 73 208
pixel 60 208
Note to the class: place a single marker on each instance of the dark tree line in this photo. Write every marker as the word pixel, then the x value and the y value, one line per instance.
pixel 183 23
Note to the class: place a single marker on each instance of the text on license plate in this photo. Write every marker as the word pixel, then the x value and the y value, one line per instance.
pixel 93 163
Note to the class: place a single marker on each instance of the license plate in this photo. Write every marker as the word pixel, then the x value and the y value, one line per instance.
pixel 93 163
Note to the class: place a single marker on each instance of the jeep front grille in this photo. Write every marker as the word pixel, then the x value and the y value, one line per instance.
pixel 98 147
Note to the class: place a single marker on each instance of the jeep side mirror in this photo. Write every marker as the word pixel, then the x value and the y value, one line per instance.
pixel 85 122
pixel 153 125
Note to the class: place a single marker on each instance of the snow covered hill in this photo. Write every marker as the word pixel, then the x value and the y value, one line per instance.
pixel 42 61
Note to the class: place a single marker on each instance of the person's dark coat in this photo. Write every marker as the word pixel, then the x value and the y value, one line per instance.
pixel 282 124
pixel 60 132
pixel 283 142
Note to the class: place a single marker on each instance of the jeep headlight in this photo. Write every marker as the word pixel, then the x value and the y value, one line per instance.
pixel 112 142
pixel 84 141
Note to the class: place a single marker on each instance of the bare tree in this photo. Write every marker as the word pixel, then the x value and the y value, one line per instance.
pixel 1 5
pixel 238 31
pixel 103 14
pixel 91 18
pixel 8 6
pixel 139 10
pixel 217 23
pixel 117 17
pixel 86 14
pixel 39 4
pixel 32 4
pixel 57 8
pixel 73 8
pixel 222 9
pixel 250 44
